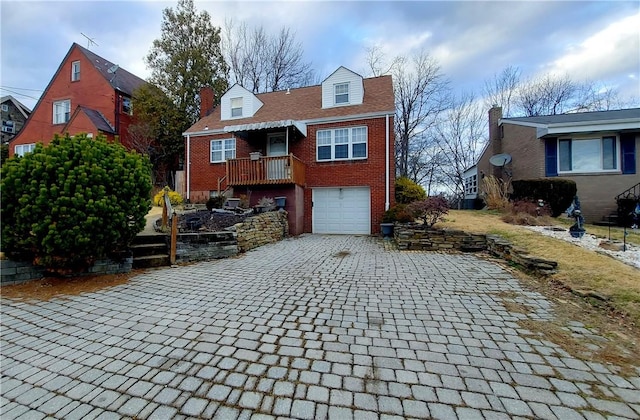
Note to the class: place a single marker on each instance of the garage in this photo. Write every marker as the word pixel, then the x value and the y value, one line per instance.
pixel 342 210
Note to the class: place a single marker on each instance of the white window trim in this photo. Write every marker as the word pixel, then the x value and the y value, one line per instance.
pixel 75 75
pixel 5 107
pixel 241 107
pixel 335 94
pixel 19 149
pixel 618 156
pixel 66 115
pixel 222 150
pixel 471 185
pixel 349 144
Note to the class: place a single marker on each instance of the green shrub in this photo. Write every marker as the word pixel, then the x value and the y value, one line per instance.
pixel 397 213
pixel 216 202
pixel 174 198
pixel 72 202
pixel 557 193
pixel 408 191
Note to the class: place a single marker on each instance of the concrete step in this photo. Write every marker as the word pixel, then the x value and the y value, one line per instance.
pixel 143 250
pixel 150 261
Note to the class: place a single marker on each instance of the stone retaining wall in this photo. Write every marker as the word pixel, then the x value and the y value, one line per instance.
pixel 414 237
pixel 204 246
pixel 262 229
pixel 16 272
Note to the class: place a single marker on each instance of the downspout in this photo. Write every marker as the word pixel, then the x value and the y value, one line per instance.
pixel 387 163
pixel 188 168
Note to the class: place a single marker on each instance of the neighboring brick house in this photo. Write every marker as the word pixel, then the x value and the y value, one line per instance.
pixel 87 94
pixel 14 114
pixel 598 150
pixel 328 149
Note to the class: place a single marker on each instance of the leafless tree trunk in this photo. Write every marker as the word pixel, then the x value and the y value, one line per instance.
pixel 262 62
pixel 461 135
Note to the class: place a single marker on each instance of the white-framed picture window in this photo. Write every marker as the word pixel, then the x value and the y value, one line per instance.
pixel 589 155
pixel 61 111
pixel 348 143
pixel 75 71
pixel 223 149
pixel 21 149
pixel 341 93
pixel 236 107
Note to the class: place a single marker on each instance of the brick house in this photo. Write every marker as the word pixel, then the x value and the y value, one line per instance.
pixel 87 94
pixel 597 150
pixel 327 148
pixel 14 114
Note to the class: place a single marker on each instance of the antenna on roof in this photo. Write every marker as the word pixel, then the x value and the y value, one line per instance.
pixel 90 41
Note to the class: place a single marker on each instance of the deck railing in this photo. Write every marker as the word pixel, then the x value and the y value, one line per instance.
pixel 266 171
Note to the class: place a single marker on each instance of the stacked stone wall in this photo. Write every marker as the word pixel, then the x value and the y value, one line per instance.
pixel 261 229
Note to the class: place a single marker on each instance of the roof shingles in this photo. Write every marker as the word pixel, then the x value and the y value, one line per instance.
pixel 303 104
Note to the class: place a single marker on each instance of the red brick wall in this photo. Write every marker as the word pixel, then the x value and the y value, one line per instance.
pixel 92 91
pixel 368 172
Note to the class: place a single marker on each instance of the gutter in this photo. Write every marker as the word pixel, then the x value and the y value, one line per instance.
pixel 387 163
pixel 188 159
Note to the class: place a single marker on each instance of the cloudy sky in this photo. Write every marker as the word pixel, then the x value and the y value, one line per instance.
pixel 472 40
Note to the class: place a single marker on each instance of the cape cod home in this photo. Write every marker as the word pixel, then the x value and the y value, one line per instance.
pixel 597 150
pixel 327 149
pixel 87 94
pixel 14 114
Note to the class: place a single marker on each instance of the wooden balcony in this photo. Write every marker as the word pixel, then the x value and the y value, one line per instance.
pixel 266 171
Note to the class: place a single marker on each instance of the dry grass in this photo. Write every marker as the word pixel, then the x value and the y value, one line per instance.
pixel 578 268
pixel 495 192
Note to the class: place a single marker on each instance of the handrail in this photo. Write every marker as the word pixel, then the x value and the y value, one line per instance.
pixel 633 192
pixel 220 181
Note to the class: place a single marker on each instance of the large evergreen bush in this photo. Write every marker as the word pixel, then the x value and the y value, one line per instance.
pixel 407 191
pixel 557 192
pixel 72 202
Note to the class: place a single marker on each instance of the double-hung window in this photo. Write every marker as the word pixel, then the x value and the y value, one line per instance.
pixel 75 71
pixel 127 108
pixel 61 111
pixel 588 155
pixel 341 93
pixel 341 144
pixel 21 149
pixel 236 107
pixel 221 150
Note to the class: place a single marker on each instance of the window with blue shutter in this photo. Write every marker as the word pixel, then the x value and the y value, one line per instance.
pixel 628 152
pixel 551 157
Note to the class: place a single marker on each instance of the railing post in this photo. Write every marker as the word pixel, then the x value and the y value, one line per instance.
pixel 174 238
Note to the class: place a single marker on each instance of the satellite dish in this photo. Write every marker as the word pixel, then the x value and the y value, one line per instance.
pixel 113 68
pixel 500 160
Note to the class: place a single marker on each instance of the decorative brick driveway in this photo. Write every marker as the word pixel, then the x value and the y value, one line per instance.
pixel 313 327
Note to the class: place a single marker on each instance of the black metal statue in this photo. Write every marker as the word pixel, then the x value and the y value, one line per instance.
pixel 577 230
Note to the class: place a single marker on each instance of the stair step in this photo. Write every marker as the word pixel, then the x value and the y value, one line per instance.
pixel 142 250
pixel 150 261
pixel 149 239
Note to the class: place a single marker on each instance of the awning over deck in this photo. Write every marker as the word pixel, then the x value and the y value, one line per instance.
pixel 301 127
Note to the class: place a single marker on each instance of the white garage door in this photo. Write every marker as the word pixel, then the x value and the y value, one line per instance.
pixel 342 210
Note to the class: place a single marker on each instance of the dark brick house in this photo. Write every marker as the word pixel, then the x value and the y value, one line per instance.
pixel 327 148
pixel 87 94
pixel 14 114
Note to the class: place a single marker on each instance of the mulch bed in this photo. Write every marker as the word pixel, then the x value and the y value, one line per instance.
pixel 206 221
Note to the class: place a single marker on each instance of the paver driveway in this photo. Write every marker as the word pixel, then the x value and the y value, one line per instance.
pixel 313 327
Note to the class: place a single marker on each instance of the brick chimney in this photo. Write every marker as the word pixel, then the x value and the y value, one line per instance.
pixel 207 98
pixel 495 136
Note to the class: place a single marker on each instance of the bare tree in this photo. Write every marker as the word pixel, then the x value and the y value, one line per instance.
pixel 461 136
pixel 262 62
pixel 502 89
pixel 547 95
pixel 421 94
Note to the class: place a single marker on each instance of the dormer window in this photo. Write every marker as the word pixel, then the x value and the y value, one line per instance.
pixel 236 107
pixel 75 71
pixel 341 93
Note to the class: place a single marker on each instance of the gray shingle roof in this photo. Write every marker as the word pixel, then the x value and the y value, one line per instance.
pixel 121 79
pixel 578 117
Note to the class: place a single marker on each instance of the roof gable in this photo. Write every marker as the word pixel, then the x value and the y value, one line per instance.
pixel 249 103
pixel 351 89
pixel 305 105
pixel 119 78
pixel 96 118
pixel 20 106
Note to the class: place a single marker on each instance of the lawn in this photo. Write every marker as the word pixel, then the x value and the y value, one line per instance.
pixel 578 268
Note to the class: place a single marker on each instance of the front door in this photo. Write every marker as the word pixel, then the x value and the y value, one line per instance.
pixel 276 146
